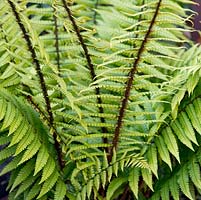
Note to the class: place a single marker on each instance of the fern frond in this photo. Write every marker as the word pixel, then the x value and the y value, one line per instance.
pixel 179 179
pixel 114 94
pixel 25 150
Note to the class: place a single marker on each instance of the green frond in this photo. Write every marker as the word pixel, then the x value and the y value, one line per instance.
pixel 112 191
pixel 11 165
pixel 99 99
pixel 26 141
pixel 25 185
pixel 48 184
pixel 147 177
pixel 60 190
pixel 194 172
pixel 133 181
pixel 163 151
pixel 182 178
pixel 183 182
pixel 41 160
pixel 7 152
pixel 174 188
pixel 177 128
pixel 48 170
pixel 171 142
pixel 28 148
pixel 34 191
pixel 23 174
pixel 4 139
pixel 153 160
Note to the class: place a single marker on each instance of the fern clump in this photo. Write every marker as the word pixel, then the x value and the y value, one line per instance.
pixel 99 100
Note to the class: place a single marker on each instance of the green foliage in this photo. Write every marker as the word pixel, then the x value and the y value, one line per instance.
pixel 99 100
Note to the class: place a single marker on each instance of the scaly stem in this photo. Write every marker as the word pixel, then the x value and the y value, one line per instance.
pixel 40 75
pixel 38 109
pixel 56 34
pixel 89 63
pixel 129 84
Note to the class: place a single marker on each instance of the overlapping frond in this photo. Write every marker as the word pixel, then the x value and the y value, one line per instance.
pixel 114 90
pixel 32 162
pixel 184 178
pixel 180 138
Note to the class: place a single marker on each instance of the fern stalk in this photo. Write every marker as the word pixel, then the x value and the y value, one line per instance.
pixel 36 107
pixel 55 133
pixel 89 62
pixel 56 33
pixel 129 85
pixel 132 37
pixel 35 60
pixel 41 78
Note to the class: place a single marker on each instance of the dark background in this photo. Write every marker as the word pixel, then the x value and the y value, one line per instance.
pixel 197 22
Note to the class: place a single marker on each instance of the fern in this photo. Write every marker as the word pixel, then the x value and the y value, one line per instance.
pixel 99 99
pixel 26 148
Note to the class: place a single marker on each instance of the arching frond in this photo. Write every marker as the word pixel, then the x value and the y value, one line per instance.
pixel 98 99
